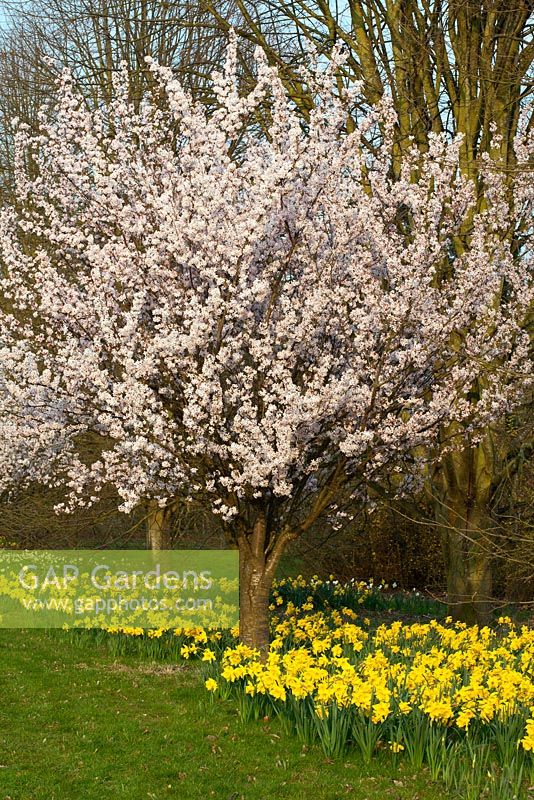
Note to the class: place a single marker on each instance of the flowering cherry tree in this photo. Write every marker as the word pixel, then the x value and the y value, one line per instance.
pixel 260 320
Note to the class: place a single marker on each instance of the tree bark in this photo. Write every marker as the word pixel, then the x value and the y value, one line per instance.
pixel 259 555
pixel 254 590
pixel 463 515
pixel 159 526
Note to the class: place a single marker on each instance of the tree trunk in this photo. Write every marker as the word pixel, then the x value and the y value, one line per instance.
pixel 463 515
pixel 254 589
pixel 259 556
pixel 159 526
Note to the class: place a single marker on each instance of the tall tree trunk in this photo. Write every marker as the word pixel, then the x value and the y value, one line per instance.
pixel 463 515
pixel 159 526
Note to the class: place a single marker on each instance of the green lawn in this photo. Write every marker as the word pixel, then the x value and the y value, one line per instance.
pixel 77 723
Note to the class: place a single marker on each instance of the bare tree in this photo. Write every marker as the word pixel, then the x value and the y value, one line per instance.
pixel 93 38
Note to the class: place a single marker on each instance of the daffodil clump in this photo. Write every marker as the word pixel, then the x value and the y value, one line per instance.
pixel 458 698
pixel 163 643
pixel 437 693
pixel 330 592
pixel 113 598
pixel 333 594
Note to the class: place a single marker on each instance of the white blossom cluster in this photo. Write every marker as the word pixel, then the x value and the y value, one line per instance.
pixel 236 312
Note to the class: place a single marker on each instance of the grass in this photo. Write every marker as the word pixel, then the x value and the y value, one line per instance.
pixel 78 724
